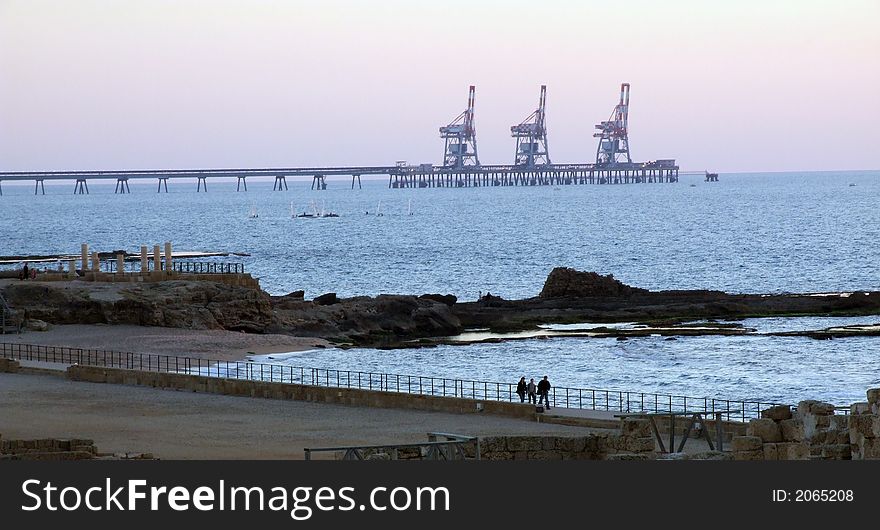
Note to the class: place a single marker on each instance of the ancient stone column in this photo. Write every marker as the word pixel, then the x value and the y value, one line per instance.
pixel 96 262
pixel 71 267
pixel 144 266
pixel 85 257
pixel 120 264
pixel 157 259
pixel 168 256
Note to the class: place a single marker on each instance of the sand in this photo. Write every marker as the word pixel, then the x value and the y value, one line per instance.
pixel 206 344
pixel 187 425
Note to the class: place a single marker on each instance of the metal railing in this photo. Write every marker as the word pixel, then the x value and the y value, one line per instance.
pixel 562 397
pixel 207 267
pixel 451 447
pixel 184 267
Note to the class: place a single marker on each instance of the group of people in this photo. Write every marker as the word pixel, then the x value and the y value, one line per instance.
pixel 25 272
pixel 532 390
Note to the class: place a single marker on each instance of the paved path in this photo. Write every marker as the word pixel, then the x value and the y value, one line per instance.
pixel 188 425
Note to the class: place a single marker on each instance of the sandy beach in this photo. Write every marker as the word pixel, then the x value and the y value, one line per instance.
pixel 206 344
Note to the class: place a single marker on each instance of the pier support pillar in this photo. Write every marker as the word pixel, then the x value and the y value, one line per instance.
pixel 358 177
pixel 144 265
pixel 168 256
pixel 122 185
pixel 280 180
pixel 85 257
pixel 241 180
pixel 319 182
pixel 81 187
pixel 163 181
pixel 38 185
pixel 203 180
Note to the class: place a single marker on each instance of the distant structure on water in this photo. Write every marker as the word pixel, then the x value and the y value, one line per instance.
pixel 461 167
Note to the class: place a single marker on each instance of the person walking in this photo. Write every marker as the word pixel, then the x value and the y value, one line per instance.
pixel 532 389
pixel 544 392
pixel 25 273
pixel 521 389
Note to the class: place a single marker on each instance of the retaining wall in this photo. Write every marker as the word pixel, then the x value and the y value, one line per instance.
pixel 263 389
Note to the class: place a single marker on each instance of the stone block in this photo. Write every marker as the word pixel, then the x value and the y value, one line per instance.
pixel 837 452
pixel 524 443
pixel 749 455
pixel 765 429
pixel 493 444
pixel 793 451
pixel 544 455
pixel 870 449
pixel 841 438
pixel 770 451
pixel 777 413
pixel 817 437
pixel 33 324
pixel 839 422
pixel 792 430
pixel 815 426
pixel 638 427
pixel 873 395
pixel 594 443
pixel 612 443
pixel 9 366
pixel 811 406
pixel 573 444
pixel 860 408
pixel 746 443
pixel 627 456
pixel 866 425
pixel 639 445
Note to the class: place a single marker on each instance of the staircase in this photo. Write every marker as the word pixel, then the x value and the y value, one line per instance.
pixel 10 322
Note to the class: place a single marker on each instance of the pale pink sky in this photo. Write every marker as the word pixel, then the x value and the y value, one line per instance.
pixel 733 86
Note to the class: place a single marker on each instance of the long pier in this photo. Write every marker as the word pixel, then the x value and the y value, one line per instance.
pixel 461 167
pixel 399 175
pixel 426 176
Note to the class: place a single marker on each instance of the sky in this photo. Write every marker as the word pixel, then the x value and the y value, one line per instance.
pixel 766 85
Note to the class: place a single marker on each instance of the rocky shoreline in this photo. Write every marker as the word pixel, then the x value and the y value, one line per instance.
pixel 568 297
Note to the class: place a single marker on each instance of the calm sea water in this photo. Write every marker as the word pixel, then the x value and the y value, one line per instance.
pixel 770 232
pixel 774 232
pixel 749 368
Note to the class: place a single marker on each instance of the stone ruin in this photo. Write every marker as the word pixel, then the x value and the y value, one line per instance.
pixel 813 431
pixel 635 442
pixel 55 449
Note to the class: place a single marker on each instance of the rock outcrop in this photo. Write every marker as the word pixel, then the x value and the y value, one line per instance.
pixel 174 304
pixel 564 282
pixel 381 320
pixel 384 319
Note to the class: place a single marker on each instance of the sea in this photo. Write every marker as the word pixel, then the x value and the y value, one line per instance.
pixel 795 232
